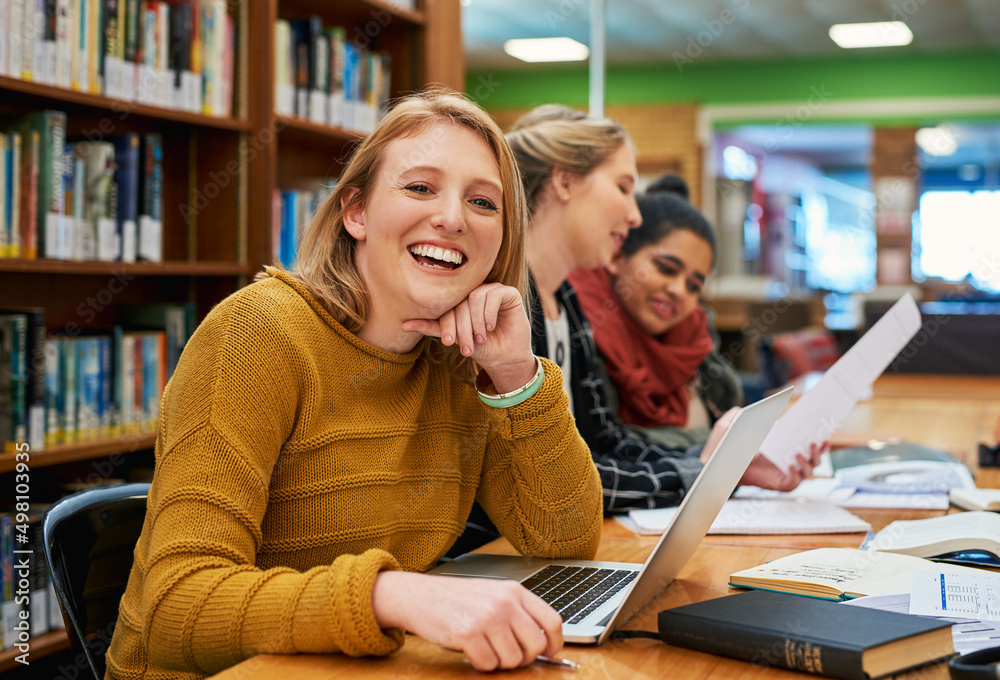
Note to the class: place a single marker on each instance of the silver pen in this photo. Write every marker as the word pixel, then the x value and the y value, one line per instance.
pixel 563 663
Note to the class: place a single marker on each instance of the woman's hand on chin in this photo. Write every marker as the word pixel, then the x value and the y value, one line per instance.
pixel 490 326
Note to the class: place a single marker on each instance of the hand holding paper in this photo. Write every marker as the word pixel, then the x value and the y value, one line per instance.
pixel 813 418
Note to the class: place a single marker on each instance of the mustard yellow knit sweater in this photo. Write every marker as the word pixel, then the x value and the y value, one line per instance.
pixel 294 462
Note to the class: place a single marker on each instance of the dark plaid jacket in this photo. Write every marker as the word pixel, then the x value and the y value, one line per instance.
pixel 636 471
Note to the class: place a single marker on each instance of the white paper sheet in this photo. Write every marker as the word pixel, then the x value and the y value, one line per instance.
pixel 969 635
pixel 815 416
pixel 826 489
pixel 961 596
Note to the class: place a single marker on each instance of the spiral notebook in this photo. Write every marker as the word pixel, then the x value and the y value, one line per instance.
pixel 762 516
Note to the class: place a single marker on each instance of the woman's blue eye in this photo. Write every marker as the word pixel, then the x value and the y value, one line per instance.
pixel 420 188
pixel 484 203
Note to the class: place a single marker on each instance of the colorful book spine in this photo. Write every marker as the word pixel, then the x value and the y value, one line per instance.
pixel 15 39
pixel 88 388
pixel 33 370
pixel 105 405
pixel 63 48
pixel 4 180
pixel 130 47
pixel 14 364
pixel 68 403
pixel 126 179
pixel 150 246
pixel 95 46
pixel 28 228
pixel 53 380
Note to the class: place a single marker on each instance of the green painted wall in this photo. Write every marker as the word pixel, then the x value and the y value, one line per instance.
pixel 845 78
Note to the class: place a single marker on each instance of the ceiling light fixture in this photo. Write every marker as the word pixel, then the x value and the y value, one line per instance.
pixel 546 49
pixel 874 34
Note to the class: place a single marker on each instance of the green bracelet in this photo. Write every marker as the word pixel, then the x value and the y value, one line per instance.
pixel 518 395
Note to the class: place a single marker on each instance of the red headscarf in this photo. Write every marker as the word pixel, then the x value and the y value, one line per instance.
pixel 651 373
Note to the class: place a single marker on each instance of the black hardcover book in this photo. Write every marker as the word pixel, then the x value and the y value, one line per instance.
pixel 181 31
pixel 34 372
pixel 809 635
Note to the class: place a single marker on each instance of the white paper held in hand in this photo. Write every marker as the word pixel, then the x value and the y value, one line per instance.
pixel 814 417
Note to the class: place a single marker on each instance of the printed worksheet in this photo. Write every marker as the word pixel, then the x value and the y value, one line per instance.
pixel 959 596
pixel 969 635
pixel 813 418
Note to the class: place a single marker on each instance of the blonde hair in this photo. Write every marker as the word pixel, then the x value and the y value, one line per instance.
pixel 326 256
pixel 553 136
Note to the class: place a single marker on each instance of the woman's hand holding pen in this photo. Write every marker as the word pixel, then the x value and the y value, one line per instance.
pixel 496 624
pixel 490 326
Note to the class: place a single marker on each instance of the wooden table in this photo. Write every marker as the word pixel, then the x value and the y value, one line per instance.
pixel 951 413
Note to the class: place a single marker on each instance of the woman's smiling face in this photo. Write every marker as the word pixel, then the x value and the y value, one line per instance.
pixel 432 225
pixel 659 285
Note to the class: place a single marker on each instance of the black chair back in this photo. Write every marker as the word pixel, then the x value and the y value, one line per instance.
pixel 89 539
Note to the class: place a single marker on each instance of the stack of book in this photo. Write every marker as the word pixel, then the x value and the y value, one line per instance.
pixel 326 76
pixel 176 54
pixel 86 200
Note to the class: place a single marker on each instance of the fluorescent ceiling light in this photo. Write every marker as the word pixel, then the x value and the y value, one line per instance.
pixel 875 34
pixel 546 49
pixel 937 141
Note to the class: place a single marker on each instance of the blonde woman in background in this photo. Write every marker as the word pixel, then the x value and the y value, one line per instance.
pixel 579 175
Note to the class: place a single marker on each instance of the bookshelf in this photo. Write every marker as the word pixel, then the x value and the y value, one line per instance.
pixel 227 169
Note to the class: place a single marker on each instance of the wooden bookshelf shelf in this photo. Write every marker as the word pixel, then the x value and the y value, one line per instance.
pixel 200 268
pixel 57 455
pixel 301 127
pixel 354 12
pixel 61 96
pixel 42 645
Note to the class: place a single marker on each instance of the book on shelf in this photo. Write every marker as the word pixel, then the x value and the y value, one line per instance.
pixel 12 196
pixel 962 538
pixel 28 210
pixel 295 212
pixel 13 381
pixel 99 237
pixel 762 516
pixel 147 51
pixel 42 182
pixel 176 320
pixel 323 77
pixel 103 384
pixel 839 573
pixel 822 638
pixel 126 179
pixel 27 368
pixel 150 246
pixel 4 224
pixel 975 499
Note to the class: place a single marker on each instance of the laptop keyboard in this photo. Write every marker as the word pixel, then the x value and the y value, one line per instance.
pixel 575 592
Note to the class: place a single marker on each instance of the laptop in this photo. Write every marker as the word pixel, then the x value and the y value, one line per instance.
pixel 597 598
